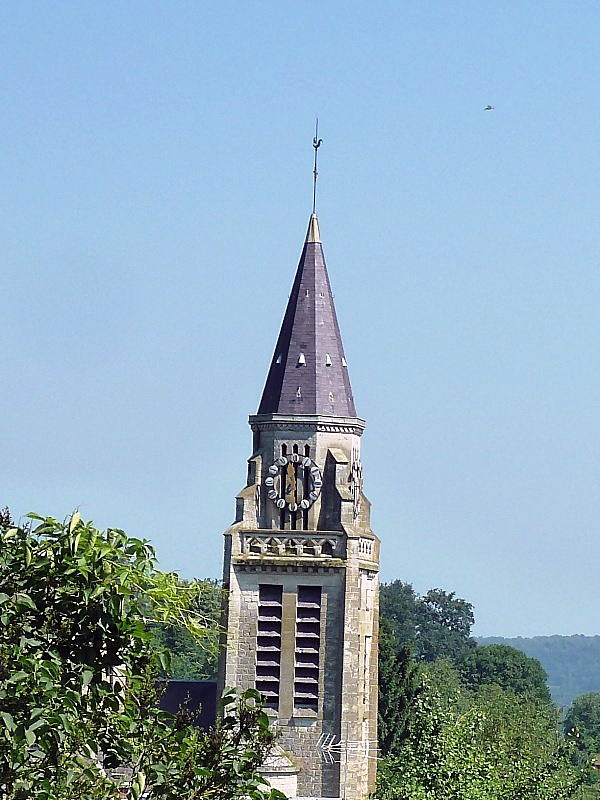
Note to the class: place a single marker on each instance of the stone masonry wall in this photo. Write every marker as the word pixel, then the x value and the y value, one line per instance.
pixel 346 715
pixel 299 730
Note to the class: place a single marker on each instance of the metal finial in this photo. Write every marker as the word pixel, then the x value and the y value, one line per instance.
pixel 316 145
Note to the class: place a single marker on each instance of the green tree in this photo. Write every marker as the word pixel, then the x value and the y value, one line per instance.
pixel 570 661
pixel 399 686
pixel 445 682
pixel 444 626
pixel 438 624
pixel 78 704
pixel 398 604
pixel 583 724
pixel 506 667
pixel 504 747
pixel 191 659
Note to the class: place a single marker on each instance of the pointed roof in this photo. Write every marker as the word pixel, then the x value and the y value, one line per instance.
pixel 308 372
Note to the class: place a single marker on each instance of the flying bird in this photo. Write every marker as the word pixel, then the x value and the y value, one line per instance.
pixel 488 108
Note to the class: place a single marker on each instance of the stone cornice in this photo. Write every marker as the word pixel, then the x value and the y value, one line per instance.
pixel 321 568
pixel 310 422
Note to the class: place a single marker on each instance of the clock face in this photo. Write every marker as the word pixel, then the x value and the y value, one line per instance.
pixel 293 482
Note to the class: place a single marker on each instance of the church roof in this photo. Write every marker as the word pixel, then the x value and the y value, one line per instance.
pixel 308 372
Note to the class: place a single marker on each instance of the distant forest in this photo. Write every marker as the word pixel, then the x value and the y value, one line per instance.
pixel 572 662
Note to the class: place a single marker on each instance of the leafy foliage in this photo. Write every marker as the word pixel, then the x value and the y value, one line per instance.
pixel 570 661
pixel 438 624
pixel 78 704
pixel 504 747
pixel 506 667
pixel 191 659
pixel 398 603
pixel 583 723
pixel 180 761
pixel 445 682
pixel 430 630
pixel 465 722
pixel 444 626
pixel 399 686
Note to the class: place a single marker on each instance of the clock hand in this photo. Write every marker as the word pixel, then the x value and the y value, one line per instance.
pixel 290 484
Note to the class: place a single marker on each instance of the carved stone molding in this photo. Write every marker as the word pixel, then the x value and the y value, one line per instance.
pixel 355 429
pixel 320 426
pixel 277 422
pixel 293 544
pixel 312 569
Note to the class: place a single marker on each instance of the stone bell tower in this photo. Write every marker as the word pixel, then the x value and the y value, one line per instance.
pixel 301 562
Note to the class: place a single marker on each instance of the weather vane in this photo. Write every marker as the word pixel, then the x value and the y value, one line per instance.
pixel 316 145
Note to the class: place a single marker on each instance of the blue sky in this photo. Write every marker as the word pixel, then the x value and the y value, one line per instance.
pixel 155 186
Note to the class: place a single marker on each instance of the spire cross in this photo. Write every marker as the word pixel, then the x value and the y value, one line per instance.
pixel 316 145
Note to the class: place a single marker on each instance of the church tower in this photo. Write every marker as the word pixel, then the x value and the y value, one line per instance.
pixel 301 563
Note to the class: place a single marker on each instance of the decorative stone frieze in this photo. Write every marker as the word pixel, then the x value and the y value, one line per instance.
pixel 303 544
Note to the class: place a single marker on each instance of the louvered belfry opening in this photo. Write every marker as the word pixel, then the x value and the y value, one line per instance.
pixel 268 644
pixel 308 646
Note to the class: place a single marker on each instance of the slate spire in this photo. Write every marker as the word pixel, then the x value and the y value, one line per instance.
pixel 308 372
